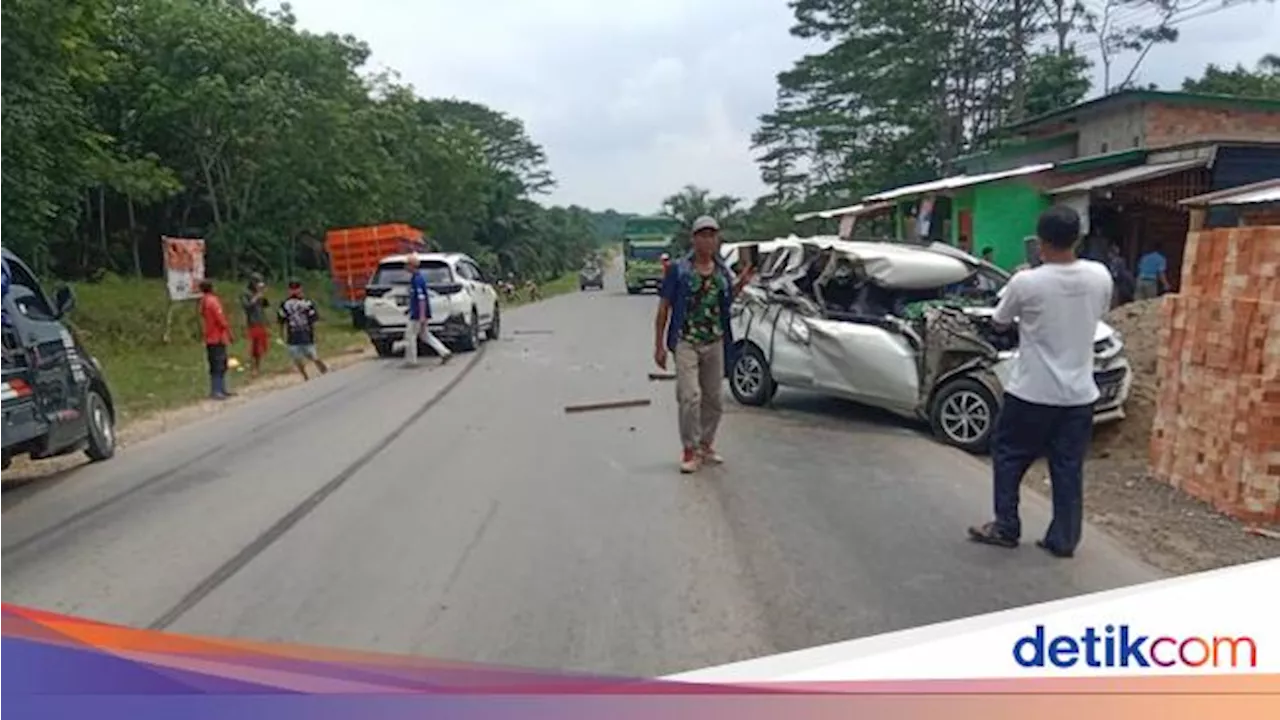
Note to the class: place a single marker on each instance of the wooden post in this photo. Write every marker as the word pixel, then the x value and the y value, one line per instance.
pixel 1197 219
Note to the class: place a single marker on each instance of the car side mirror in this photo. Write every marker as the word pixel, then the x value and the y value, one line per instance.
pixel 65 300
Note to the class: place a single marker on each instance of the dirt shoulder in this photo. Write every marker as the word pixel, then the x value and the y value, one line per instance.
pixel 1168 528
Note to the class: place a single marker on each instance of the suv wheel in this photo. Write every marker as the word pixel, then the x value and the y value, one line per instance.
pixel 382 347
pixel 101 429
pixel 495 325
pixel 471 340
pixel 964 415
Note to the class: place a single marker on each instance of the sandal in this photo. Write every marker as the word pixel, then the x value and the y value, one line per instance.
pixel 989 534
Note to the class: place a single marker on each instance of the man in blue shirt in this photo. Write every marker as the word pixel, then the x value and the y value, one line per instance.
pixel 693 324
pixel 1152 278
pixel 419 317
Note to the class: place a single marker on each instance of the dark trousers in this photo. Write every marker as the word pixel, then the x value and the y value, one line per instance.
pixel 217 356
pixel 1026 432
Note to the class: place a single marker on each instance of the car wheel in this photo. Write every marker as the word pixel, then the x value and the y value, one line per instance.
pixel 751 381
pixel 102 433
pixel 964 415
pixel 495 327
pixel 633 290
pixel 471 340
pixel 382 347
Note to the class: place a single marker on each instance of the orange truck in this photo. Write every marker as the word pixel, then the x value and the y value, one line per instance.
pixel 354 254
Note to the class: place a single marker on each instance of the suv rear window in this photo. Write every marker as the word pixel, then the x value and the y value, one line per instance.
pixel 395 273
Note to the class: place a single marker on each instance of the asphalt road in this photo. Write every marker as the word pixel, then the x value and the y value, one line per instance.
pixel 460 513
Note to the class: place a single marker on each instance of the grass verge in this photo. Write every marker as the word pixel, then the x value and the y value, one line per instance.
pixel 122 322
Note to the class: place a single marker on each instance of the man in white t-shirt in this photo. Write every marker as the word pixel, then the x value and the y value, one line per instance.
pixel 1048 400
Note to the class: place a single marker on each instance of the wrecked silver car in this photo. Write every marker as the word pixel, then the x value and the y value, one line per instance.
pixel 901 327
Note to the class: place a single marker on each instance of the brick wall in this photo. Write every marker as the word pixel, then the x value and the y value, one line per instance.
pixel 1216 433
pixel 1172 124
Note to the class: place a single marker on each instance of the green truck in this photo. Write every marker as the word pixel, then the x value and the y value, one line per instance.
pixel 644 241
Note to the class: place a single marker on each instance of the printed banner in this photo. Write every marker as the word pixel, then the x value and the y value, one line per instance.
pixel 183 267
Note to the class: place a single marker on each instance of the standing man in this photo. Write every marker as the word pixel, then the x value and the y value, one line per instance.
pixel 254 302
pixel 298 317
pixel 1152 278
pixel 1048 400
pixel 693 323
pixel 419 317
pixel 1121 279
pixel 217 336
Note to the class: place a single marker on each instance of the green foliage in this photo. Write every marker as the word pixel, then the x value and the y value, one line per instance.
pixel 130 120
pixel 1262 82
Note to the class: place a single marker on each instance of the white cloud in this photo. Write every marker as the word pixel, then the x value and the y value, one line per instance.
pixel 633 99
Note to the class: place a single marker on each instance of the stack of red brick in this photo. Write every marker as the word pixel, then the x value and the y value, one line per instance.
pixel 1216 433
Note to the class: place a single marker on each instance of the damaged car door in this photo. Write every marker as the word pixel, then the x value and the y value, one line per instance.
pixel 859 349
pixel 866 362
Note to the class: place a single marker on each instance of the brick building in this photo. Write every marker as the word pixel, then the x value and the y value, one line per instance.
pixel 1125 160
pixel 1122 160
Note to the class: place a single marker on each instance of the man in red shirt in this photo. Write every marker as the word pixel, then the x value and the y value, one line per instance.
pixel 217 336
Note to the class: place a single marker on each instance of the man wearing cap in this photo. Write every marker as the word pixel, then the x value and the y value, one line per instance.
pixel 254 302
pixel 693 324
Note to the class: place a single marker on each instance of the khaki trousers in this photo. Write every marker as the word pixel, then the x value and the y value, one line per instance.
pixel 418 329
pixel 699 377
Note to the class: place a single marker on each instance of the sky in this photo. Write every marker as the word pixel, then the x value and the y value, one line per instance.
pixel 634 100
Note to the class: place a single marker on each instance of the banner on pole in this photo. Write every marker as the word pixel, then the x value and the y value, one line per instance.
pixel 183 267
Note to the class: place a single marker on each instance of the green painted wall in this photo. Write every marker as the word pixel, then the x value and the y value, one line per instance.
pixel 1003 214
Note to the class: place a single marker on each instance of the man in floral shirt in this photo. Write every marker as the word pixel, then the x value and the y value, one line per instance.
pixel 693 324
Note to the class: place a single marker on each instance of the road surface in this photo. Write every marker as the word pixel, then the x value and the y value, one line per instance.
pixel 460 513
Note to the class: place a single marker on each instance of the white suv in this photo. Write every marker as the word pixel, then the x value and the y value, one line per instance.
pixel 464 305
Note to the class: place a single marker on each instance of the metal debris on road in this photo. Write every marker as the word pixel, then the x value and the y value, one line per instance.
pixel 1263 532
pixel 615 405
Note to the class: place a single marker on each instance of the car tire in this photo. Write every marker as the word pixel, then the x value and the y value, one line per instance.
pixel 383 347
pixel 495 325
pixel 750 380
pixel 963 415
pixel 633 290
pixel 100 430
pixel 471 340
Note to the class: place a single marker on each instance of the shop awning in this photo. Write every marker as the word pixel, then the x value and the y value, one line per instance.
pixel 1130 176
pixel 954 182
pixel 1267 191
pixel 859 209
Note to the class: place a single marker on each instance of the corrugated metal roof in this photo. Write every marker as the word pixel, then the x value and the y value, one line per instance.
pixel 859 209
pixel 1267 191
pixel 1129 176
pixel 955 182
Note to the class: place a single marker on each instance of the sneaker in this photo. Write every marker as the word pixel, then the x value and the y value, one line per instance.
pixel 709 455
pixel 689 461
pixel 444 359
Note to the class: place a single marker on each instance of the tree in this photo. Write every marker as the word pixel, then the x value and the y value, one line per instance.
pixel 1134 27
pixel 1263 81
pixel 693 202
pixel 214 118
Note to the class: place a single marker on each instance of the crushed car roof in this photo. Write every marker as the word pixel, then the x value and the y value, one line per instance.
pixel 889 265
